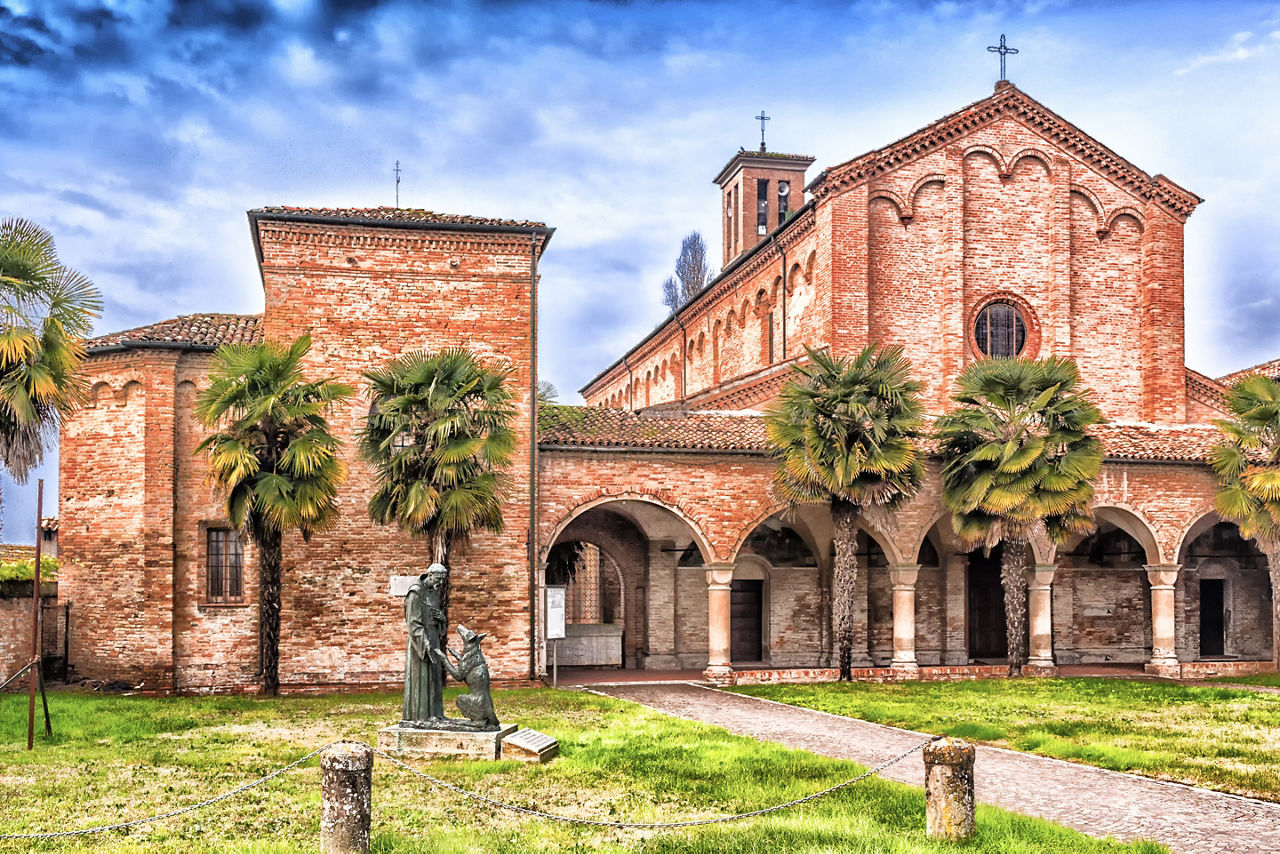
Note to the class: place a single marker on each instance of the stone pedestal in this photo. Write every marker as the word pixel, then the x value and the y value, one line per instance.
pixel 433 743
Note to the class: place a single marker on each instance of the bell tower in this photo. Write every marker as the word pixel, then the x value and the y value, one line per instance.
pixel 758 191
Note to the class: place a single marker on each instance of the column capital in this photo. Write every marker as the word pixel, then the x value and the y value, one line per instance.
pixel 1163 575
pixel 1041 577
pixel 904 574
pixel 719 576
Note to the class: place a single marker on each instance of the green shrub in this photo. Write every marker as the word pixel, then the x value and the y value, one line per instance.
pixel 24 570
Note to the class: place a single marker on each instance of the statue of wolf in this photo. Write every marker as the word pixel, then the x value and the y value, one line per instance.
pixel 470 667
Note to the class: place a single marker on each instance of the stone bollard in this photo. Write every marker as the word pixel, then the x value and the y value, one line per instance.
pixel 948 789
pixel 346 782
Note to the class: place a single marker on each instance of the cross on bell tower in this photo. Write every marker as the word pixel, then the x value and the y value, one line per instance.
pixel 762 118
pixel 1003 50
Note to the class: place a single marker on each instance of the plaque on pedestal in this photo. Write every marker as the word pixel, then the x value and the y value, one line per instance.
pixel 529 745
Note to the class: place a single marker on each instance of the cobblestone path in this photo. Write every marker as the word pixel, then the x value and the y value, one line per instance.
pixel 1091 800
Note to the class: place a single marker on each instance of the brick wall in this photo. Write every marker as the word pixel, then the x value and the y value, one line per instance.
pixel 394 291
pixel 910 256
pixel 116 521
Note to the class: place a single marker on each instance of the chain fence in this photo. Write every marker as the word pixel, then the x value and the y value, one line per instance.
pixel 476 796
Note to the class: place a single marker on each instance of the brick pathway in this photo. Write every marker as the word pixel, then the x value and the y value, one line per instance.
pixel 1097 802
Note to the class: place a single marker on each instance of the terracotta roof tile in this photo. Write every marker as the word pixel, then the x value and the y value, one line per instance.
pixel 1180 442
pixel 594 427
pixel 190 331
pixel 1267 369
pixel 399 215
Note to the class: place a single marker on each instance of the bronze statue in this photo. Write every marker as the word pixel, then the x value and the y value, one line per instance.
pixel 471 668
pixel 423 672
pixel 427 659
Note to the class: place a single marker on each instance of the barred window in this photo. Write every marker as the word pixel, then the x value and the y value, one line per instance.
pixel 1000 330
pixel 223 566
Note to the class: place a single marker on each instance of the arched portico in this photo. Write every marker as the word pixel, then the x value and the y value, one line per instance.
pixel 657 555
pixel 1223 595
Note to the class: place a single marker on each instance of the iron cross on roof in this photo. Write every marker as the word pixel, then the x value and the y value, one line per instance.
pixel 1003 50
pixel 762 118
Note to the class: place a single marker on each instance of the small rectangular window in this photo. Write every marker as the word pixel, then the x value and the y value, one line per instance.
pixel 762 205
pixel 784 191
pixel 223 566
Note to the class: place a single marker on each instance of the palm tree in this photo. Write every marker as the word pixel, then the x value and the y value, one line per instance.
pixel 1017 458
pixel 47 310
pixel 1247 464
pixel 843 433
pixel 439 436
pixel 272 453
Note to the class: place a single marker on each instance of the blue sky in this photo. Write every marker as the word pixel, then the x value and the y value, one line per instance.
pixel 141 132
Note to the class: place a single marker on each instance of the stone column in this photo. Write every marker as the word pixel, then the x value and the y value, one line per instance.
pixel 1164 650
pixel 719 583
pixel 903 577
pixel 1040 661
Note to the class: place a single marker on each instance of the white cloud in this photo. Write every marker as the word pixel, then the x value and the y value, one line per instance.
pixel 1242 46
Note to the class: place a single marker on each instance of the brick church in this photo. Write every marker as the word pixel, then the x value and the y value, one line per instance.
pixel 1001 229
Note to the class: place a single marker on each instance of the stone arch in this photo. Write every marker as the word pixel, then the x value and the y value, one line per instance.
pixel 916 543
pixel 795 277
pixel 752 566
pixel 1132 522
pixel 100 392
pixel 131 389
pixel 1125 211
pixel 1094 202
pixel 934 178
pixel 904 212
pixel 877 533
pixel 699 537
pixel 1202 520
pixel 996 157
pixel 1032 153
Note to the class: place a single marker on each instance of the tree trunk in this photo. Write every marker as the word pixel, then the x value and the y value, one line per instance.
pixel 440 553
pixel 1013 578
pixel 269 557
pixel 843 584
pixel 1273 565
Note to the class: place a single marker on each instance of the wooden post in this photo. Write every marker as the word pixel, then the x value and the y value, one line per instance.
pixel 346 799
pixel 948 789
pixel 35 628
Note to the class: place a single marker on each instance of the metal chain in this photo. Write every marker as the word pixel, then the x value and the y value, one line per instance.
pixel 627 825
pixel 172 813
pixel 474 796
pixel 25 668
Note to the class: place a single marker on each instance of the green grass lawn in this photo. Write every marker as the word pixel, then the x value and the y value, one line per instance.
pixel 114 758
pixel 1209 736
pixel 1269 679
